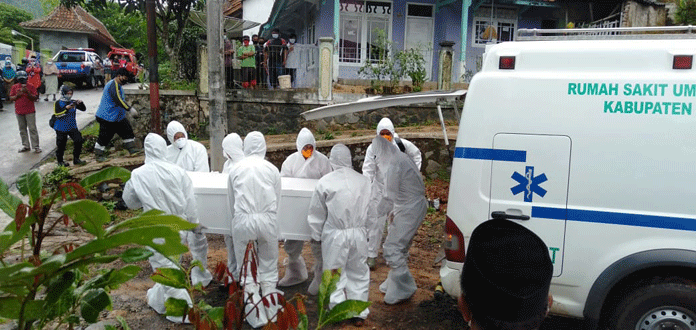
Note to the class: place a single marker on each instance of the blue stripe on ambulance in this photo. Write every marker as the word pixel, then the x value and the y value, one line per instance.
pixel 617 218
pixel 491 154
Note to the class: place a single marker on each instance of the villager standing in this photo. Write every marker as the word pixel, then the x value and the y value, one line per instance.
pixel 293 59
pixel 25 95
pixel 8 79
pixel 247 54
pixel 51 79
pixel 275 52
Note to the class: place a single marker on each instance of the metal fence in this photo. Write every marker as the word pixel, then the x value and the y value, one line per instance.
pixel 278 66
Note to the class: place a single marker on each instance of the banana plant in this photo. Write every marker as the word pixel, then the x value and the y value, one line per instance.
pixel 54 286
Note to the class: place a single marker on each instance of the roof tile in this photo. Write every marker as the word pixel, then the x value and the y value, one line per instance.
pixel 74 19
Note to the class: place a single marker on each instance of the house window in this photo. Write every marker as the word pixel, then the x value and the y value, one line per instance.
pixel 311 34
pixel 360 23
pixel 503 21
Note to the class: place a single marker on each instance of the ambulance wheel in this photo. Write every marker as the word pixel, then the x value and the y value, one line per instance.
pixel 657 306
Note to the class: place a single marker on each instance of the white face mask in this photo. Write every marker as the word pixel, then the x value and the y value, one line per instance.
pixel 180 142
pixel 275 36
pixel 292 41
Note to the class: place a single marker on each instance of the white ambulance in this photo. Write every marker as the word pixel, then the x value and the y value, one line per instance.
pixel 592 145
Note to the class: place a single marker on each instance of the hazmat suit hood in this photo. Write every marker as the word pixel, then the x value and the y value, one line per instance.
pixel 385 123
pixel 233 147
pixel 304 138
pixel 340 157
pixel 384 151
pixel 255 145
pixel 155 148
pixel 175 127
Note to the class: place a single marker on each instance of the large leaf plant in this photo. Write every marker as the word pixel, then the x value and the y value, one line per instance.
pixel 44 287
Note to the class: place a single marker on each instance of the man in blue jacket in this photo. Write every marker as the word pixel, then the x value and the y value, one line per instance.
pixel 111 116
pixel 66 125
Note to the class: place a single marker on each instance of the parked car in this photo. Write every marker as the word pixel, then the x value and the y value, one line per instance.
pixel 79 65
pixel 121 57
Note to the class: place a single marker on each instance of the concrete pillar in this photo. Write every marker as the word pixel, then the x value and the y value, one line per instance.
pixel 46 55
pixel 216 83
pixel 203 68
pixel 326 63
pixel 444 73
pixel 20 48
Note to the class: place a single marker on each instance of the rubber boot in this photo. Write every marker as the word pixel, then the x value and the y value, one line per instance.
pixel 313 288
pixel 100 155
pixel 130 146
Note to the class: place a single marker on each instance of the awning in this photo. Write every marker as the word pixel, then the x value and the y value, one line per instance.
pixel 379 102
pixel 232 25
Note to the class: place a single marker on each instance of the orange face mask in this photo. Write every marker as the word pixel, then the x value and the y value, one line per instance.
pixel 387 136
pixel 306 153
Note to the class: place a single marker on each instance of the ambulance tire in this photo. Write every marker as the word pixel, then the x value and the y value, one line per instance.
pixel 662 305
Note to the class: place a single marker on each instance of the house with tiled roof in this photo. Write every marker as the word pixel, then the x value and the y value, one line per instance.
pixel 430 25
pixel 71 28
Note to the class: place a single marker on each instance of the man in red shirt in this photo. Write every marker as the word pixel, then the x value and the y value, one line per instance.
pixel 24 95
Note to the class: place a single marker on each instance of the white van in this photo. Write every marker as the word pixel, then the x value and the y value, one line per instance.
pixel 592 145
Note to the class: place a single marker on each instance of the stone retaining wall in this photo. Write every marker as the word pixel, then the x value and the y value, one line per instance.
pixel 270 112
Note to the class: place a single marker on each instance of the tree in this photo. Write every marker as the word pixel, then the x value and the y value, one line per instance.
pixel 49 5
pixel 10 17
pixel 128 28
pixel 686 12
pixel 172 15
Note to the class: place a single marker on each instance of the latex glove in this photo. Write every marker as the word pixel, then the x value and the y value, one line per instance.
pixel 197 230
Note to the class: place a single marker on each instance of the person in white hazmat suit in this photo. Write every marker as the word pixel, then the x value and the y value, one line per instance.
pixel 159 184
pixel 254 192
pixel 193 157
pixel 190 155
pixel 337 217
pixel 307 163
pixel 233 150
pixel 376 220
pixel 404 201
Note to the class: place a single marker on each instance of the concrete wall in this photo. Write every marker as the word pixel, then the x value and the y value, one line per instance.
pixel 55 40
pixel 638 14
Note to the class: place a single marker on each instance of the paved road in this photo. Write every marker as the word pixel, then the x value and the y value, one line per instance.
pixel 13 164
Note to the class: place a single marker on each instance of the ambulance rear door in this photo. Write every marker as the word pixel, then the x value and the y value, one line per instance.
pixel 529 185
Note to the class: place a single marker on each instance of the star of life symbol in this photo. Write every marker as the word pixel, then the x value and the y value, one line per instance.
pixel 529 184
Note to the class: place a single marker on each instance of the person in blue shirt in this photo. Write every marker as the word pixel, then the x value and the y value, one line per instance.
pixel 111 116
pixel 66 126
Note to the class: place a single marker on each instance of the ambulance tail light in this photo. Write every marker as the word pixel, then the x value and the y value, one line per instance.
pixel 682 62
pixel 454 242
pixel 506 63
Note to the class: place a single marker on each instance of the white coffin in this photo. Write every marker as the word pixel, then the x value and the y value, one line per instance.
pixel 210 190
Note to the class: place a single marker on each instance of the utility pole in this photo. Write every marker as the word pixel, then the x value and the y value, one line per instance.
pixel 216 81
pixel 155 120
